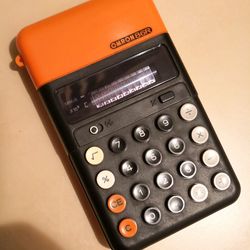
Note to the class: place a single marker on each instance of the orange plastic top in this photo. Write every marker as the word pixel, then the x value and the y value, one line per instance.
pixel 83 35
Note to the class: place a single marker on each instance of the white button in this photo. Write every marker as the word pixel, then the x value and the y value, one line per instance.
pixel 199 193
pixel 211 158
pixel 222 181
pixel 200 135
pixel 94 156
pixel 105 179
pixel 94 130
pixel 188 112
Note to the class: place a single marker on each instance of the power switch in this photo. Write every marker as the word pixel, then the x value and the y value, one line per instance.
pixel 167 97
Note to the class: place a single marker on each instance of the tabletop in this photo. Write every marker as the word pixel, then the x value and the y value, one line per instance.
pixel 41 202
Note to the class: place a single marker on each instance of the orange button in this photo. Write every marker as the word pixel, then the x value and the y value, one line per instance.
pixel 117 203
pixel 128 228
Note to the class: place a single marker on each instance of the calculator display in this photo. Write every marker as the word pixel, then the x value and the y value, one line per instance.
pixel 123 87
pixel 86 97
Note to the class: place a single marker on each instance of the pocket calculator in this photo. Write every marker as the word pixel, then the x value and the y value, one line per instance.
pixel 129 118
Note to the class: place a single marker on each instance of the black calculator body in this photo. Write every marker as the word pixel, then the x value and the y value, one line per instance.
pixel 141 143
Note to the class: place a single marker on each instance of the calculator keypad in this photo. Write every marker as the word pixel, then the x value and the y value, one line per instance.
pixel 158 169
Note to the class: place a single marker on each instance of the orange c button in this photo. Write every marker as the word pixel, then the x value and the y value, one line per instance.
pixel 117 203
pixel 128 228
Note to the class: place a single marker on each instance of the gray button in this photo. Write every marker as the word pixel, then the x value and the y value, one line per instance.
pixel 152 215
pixel 141 192
pixel 129 168
pixel 211 158
pixel 164 180
pixel 188 169
pixel 176 146
pixel 200 135
pixel 188 112
pixel 176 204
pixel 164 123
pixel 222 181
pixel 142 134
pixel 117 145
pixel 199 192
pixel 153 157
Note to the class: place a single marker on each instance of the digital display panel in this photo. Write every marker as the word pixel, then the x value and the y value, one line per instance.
pixel 86 97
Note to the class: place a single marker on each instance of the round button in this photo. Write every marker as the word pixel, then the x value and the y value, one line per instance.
pixel 222 181
pixel 211 158
pixel 199 192
pixel 188 112
pixel 96 129
pixel 129 168
pixel 176 146
pixel 128 228
pixel 176 204
pixel 94 156
pixel 105 179
pixel 117 203
pixel 141 134
pixel 153 157
pixel 200 135
pixel 141 192
pixel 188 169
pixel 164 123
pixel 93 130
pixel 164 180
pixel 152 215
pixel 117 145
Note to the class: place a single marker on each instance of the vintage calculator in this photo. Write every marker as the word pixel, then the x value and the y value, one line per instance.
pixel 130 119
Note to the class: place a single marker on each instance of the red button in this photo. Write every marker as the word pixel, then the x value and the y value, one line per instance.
pixel 128 228
pixel 117 203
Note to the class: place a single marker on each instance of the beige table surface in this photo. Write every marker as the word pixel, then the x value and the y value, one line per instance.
pixel 41 206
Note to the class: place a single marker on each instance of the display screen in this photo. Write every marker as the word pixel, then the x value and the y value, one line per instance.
pixel 109 87
pixel 123 87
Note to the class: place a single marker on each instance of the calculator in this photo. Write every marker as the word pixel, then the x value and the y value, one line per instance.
pixel 129 118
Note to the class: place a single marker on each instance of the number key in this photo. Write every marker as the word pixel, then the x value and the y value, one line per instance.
pixel 141 192
pixel 117 145
pixel 129 168
pixel 153 157
pixel 141 134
